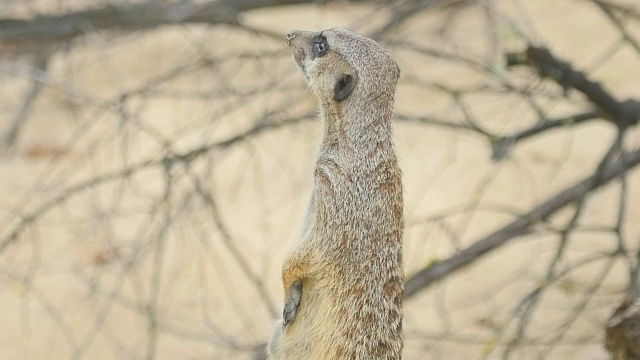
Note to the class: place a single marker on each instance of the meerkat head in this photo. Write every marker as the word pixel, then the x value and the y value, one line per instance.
pixel 341 65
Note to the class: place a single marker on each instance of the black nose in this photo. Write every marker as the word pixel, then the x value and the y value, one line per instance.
pixel 291 35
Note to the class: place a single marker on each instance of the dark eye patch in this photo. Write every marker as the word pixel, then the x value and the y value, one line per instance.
pixel 319 46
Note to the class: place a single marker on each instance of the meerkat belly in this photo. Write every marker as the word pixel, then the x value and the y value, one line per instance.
pixel 353 298
pixel 345 308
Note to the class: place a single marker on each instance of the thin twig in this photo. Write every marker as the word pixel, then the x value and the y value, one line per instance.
pixel 518 227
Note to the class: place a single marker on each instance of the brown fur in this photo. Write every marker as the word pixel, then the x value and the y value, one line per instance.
pixel 349 259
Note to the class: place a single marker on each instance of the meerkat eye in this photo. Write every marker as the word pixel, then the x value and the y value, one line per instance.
pixel 320 47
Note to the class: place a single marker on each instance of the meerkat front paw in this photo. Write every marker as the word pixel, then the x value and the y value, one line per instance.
pixel 292 303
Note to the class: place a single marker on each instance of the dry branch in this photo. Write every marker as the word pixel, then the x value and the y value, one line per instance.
pixel 521 226
pixel 501 146
pixel 11 236
pixel 127 17
pixel 10 135
pixel 608 9
pixel 622 113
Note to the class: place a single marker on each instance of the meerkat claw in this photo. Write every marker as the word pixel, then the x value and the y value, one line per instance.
pixel 292 303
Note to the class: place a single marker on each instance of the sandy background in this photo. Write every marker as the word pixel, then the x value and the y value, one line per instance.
pixel 143 266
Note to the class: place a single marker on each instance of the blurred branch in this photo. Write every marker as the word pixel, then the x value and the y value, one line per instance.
pixel 528 305
pixel 146 15
pixel 186 157
pixel 10 136
pixel 607 8
pixel 622 113
pixel 627 10
pixel 520 226
pixel 403 10
pixel 501 145
pixel 432 121
pixel 470 62
pixel 229 242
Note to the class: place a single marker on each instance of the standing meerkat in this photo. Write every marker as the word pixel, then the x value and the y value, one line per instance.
pixel 343 282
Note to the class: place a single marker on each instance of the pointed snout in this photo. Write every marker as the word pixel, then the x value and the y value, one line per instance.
pixel 291 35
pixel 299 43
pixel 300 37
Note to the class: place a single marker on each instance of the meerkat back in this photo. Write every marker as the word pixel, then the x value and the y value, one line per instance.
pixel 343 281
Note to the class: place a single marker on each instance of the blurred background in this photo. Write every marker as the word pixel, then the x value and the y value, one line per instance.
pixel 156 159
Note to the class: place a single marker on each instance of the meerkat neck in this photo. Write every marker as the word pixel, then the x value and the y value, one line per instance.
pixel 334 124
pixel 368 126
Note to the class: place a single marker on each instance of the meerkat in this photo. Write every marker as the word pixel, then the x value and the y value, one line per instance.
pixel 343 281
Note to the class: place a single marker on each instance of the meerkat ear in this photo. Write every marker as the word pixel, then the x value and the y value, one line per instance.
pixel 344 87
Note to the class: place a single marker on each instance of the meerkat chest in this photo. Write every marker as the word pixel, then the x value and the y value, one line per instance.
pixel 354 198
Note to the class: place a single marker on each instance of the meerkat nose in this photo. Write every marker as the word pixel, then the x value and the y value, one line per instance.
pixel 291 35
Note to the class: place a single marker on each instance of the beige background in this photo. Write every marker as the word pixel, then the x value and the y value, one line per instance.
pixel 84 279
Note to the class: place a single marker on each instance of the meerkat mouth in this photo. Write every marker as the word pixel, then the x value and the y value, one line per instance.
pixel 299 57
pixel 304 71
pixel 299 54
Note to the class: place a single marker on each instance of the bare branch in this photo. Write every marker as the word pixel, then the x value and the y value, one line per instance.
pixel 10 135
pixel 186 157
pixel 127 17
pixel 501 146
pixel 622 113
pixel 607 7
pixel 521 226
